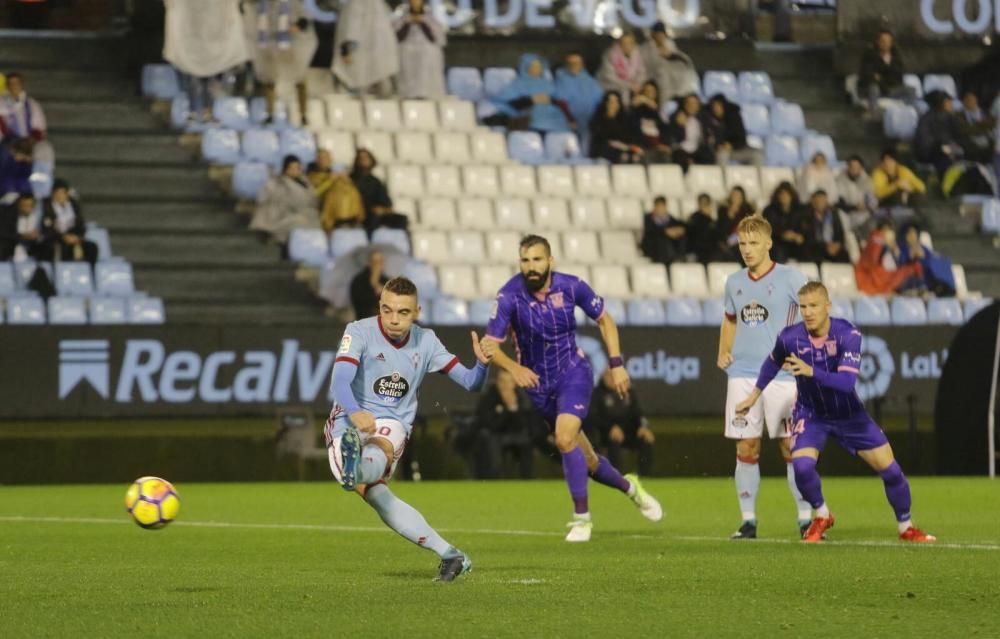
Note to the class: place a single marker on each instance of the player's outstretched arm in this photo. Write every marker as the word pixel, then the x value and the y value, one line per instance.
pixel 523 376
pixel 472 379
pixel 609 333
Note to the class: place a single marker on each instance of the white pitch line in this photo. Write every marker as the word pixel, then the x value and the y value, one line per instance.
pixel 489 531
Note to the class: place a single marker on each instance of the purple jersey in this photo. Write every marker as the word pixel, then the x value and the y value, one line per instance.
pixel 838 352
pixel 544 323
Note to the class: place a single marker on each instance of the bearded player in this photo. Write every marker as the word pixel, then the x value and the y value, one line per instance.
pixel 538 305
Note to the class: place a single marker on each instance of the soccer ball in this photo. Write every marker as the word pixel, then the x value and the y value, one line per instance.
pixel 152 502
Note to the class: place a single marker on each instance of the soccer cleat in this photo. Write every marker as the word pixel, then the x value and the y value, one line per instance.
pixel 748 530
pixel 817 528
pixel 350 454
pixel 647 504
pixel 579 529
pixel 916 535
pixel 804 528
pixel 451 569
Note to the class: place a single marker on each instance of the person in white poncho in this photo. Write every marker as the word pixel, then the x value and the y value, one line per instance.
pixel 421 53
pixel 367 55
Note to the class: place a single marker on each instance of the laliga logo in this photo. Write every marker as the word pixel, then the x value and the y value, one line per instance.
pixel 83 360
pixel 876 369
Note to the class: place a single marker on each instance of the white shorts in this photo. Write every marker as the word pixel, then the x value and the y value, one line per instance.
pixel 390 430
pixel 773 407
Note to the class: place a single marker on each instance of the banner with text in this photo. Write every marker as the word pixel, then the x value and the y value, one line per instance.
pixel 918 19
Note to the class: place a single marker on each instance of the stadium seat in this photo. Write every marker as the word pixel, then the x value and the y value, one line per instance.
pixel 442 179
pixel 588 213
pixel 480 312
pixel 645 312
pixel 23 310
pixel 475 214
pixel 451 147
pixel 899 122
pixel 787 118
pixel 842 308
pixel 496 79
pixel 945 310
pixel 813 143
pixel 160 81
pixel 41 185
pixel 457 115
pixel 619 247
pixel 491 279
pixel 180 111
pixel 629 180
pixel 448 311
pixel 525 147
pixel 713 311
pixel 101 238
pixel 556 180
pixel 625 213
pixel 25 269
pixel 502 247
pixel 481 180
pixel 414 147
pixel 406 206
pixel 756 119
pixel 438 213
pixel 74 278
pixel 379 143
pixel 420 115
pixel 581 271
pixel 650 281
pixel 717 273
pixel 114 278
pixel 249 178
pixel 259 114
pixel 563 148
pixel 666 180
pixel 684 311
pixel 486 109
pixel 723 82
pixel 940 82
pixel 839 279
pixel 772 176
pixel 345 241
pixel 617 310
pixel 809 269
pixel 465 83
pixel 973 306
pixel 466 247
pixel 458 280
pixel 344 114
pixel 220 146
pixel 315 113
pixel 706 179
pixel 107 310
pixel 517 180
pixel 912 80
pixel 405 181
pixel 551 213
pixel 872 311
pixel 782 150
pixel 989 216
pixel 961 286
pixel 488 147
pixel 424 276
pixel 755 88
pixel 396 238
pixel 431 246
pixel 513 214
pixel 382 115
pixel 8 283
pixel 610 280
pixel 593 180
pixel 67 310
pixel 908 311
pixel 231 112
pixel 300 143
pixel 688 280
pixel 340 144
pixel 747 177
pixel 146 310
pixel 261 145
pixel 582 245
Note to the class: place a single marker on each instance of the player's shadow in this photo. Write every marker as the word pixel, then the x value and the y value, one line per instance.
pixel 416 575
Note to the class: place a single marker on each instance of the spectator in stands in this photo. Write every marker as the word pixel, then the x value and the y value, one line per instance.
pixel 976 129
pixel 817 176
pixel 285 44
pixel 63 229
pixel 649 130
pixel 532 97
pixel 894 184
pixel 691 145
pixel 938 134
pixel 879 270
pixel 610 133
pixel 506 424
pixel 10 237
pixel 700 231
pixel 621 424
pixel 663 235
pixel 857 195
pixel 339 200
pixel 622 68
pixel 366 57
pixel 938 277
pixel 824 232
pixel 580 91
pixel 727 137
pixel 15 166
pixel 21 116
pixel 286 202
pixel 421 53
pixel 26 239
pixel 787 220
pixel 881 72
pixel 366 286
pixel 728 217
pixel 672 69
pixel 374 195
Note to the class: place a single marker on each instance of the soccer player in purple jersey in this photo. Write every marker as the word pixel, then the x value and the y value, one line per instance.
pixel 824 354
pixel 538 306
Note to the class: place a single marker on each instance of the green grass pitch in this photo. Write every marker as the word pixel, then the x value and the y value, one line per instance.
pixel 308 560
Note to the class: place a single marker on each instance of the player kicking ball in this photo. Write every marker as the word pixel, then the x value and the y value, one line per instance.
pixel 539 306
pixel 824 353
pixel 381 363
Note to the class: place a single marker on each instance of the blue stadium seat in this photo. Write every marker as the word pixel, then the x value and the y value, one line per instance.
pixel 67 310
pixel 41 166
pixel 114 279
pixel 973 306
pixel 899 122
pixel 231 112
pixel 108 310
pixel 479 312
pixel 616 309
pixel 908 311
pixel 723 82
pixel 309 246
pixel 940 82
pixel 945 310
pixel 101 238
pixel 343 241
pixel 990 216
pixel 646 312
pixel 146 310
pixel 496 79
pixel 684 311
pixel 813 143
pixel 787 118
pixel 447 311
pixel 912 80
pixel 23 310
pixel 249 178
pixel 160 81
pixel 424 276
pixel 397 238
pixel 258 113
pixel 8 283
pixel 872 311
pixel 220 146
pixel 261 145
pixel 755 87
pixel 300 143
pixel 180 111
pixel 781 150
pixel 465 83
pixel 25 269
pixel 712 311
pixel 563 148
pixel 525 147
pixel 41 185
pixel 842 308
pixel 74 278
pixel 756 119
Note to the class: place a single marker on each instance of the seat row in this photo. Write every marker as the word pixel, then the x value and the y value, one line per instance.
pixel 920 88
pixel 108 278
pixel 66 310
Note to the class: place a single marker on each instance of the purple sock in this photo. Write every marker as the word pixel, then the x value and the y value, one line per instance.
pixel 807 479
pixel 608 475
pixel 897 489
pixel 575 470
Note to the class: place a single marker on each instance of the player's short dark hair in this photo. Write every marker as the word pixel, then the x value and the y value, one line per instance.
pixel 813 286
pixel 534 240
pixel 401 286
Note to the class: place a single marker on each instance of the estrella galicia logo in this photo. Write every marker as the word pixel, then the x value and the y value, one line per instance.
pixel 391 388
pixel 753 314
pixel 83 360
pixel 876 369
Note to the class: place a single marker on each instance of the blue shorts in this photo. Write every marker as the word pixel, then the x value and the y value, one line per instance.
pixel 570 395
pixel 854 434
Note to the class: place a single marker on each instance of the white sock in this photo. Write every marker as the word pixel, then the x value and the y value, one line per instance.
pixel 631 489
pixel 823 511
pixel 747 487
pixel 581 516
pixel 904 525
pixel 405 520
pixel 805 510
pixel 371 466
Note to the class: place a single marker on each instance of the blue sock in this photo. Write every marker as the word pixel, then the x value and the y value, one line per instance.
pixel 372 465
pixel 405 520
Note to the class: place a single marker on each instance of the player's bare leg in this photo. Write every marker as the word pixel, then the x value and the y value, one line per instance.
pixel 575 469
pixel 747 477
pixel 897 490
pixel 603 472
pixel 807 478
pixel 801 505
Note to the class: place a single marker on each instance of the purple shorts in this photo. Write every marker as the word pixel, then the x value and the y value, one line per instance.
pixel 854 434
pixel 571 394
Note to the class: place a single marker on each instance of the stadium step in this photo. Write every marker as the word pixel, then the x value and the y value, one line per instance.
pixel 161 217
pixel 147 148
pixel 65 85
pixel 84 53
pixel 231 313
pixel 125 115
pixel 201 247
pixel 123 180
pixel 271 283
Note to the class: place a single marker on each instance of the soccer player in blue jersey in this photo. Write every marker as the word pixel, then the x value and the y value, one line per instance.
pixel 824 353
pixel 381 363
pixel 760 301
pixel 539 306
